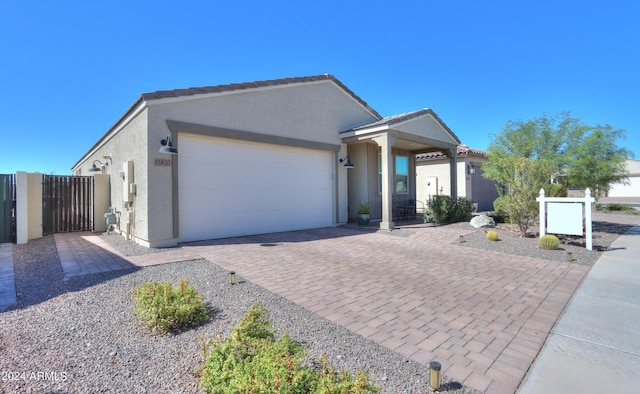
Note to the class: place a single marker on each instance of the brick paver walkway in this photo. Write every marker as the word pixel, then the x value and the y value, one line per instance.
pixel 483 315
pixel 86 253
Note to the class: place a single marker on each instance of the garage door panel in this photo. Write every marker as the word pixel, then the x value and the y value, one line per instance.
pixel 229 188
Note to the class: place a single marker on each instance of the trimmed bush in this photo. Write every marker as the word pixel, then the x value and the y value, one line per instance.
pixel 549 242
pixel 616 207
pixel 164 308
pixel 254 361
pixel 444 209
pixel 492 235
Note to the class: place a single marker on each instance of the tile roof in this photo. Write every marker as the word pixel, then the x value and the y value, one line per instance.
pixel 160 94
pixel 463 150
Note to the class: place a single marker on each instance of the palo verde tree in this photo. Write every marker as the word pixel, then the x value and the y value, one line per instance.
pixel 530 155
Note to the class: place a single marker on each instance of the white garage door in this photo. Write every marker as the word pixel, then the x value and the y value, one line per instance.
pixel 231 188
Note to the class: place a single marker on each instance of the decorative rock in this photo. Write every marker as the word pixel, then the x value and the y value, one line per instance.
pixel 482 221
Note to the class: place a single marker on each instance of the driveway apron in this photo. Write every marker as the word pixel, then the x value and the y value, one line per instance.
pixel 483 315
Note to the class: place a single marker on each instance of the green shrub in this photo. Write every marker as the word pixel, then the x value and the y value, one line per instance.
pixel 556 190
pixel 164 308
pixel 252 360
pixel 549 242
pixel 518 209
pixel 615 207
pixel 492 235
pixel 363 208
pixel 444 209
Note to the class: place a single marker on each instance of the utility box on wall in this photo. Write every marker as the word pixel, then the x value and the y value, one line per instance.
pixel 432 185
pixel 127 181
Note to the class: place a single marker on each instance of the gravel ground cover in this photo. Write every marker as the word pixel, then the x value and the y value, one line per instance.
pixel 81 336
pixel 605 231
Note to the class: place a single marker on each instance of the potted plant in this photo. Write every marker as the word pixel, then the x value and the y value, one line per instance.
pixel 363 213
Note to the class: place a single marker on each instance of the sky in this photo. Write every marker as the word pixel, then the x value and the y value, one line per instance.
pixel 70 69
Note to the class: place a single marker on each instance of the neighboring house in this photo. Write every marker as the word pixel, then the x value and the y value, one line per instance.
pixel 258 157
pixel 631 188
pixel 433 177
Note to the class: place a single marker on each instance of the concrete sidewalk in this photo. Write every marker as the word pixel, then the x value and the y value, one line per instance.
pixel 595 345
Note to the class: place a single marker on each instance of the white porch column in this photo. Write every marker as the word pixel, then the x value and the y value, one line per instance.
pixel 453 171
pixel 385 142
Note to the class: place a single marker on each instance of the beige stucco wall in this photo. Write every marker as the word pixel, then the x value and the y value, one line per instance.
pixel 28 206
pixel 310 111
pixel 440 170
pixel 34 185
pixel 101 200
pixel 632 188
pixel 470 186
pixel 129 143
pixel 363 179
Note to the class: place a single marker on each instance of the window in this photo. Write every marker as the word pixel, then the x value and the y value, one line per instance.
pixel 402 174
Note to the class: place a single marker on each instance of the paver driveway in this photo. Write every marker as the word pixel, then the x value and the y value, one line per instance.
pixel 483 315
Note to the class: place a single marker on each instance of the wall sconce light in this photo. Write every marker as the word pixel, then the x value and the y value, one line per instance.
pixel 232 277
pixel 167 147
pixel 434 375
pixel 348 163
pixel 96 169
pixel 471 169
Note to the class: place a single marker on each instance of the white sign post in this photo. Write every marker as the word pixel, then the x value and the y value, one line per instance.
pixel 565 215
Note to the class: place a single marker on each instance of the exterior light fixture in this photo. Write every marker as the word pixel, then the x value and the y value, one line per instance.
pixel 434 375
pixel 348 163
pixel 232 277
pixel 569 256
pixel 96 169
pixel 167 147
pixel 471 169
pixel 461 239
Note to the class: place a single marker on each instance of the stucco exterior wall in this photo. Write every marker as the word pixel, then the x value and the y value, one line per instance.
pixel 632 189
pixel 440 170
pixel 130 143
pixel 363 179
pixel 470 185
pixel 312 111
pixel 28 206
pixel 34 196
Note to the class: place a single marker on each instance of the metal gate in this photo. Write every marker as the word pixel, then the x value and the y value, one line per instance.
pixel 7 208
pixel 67 204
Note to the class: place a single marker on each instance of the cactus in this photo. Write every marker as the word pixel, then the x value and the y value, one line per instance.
pixel 492 235
pixel 549 242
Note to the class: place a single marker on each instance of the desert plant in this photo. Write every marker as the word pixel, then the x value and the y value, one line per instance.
pixel 164 308
pixel 363 208
pixel 556 190
pixel 253 360
pixel 444 209
pixel 549 242
pixel 616 207
pixel 492 235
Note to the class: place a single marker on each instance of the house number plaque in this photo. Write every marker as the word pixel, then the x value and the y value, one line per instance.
pixel 162 162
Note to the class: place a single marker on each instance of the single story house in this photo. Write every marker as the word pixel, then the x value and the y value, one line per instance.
pixel 259 157
pixel 631 187
pixel 433 178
